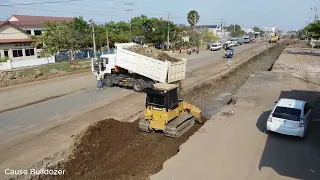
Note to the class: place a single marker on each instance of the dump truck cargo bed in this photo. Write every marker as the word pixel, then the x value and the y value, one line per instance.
pixel 161 71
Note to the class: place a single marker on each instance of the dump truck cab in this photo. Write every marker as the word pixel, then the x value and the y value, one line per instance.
pixel 166 112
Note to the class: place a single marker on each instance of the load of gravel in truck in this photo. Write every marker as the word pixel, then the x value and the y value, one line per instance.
pixel 152 52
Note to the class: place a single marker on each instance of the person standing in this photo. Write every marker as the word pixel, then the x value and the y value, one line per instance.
pixel 99 80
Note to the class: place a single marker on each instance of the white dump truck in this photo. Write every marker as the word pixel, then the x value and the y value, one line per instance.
pixel 130 69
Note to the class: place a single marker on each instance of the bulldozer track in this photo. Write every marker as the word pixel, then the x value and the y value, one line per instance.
pixel 179 126
pixel 144 125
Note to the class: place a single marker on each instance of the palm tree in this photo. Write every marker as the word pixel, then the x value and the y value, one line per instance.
pixel 193 17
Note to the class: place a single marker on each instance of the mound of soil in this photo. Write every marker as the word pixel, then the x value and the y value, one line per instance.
pixel 153 53
pixel 8 78
pixel 119 151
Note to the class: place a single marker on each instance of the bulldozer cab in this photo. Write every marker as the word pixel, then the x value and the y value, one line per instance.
pixel 162 96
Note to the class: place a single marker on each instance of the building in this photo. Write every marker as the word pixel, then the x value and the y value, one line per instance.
pixel 15 43
pixel 212 28
pixel 248 30
pixel 34 25
pixel 270 31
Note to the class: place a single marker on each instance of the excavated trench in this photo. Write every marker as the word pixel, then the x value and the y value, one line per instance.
pixel 113 150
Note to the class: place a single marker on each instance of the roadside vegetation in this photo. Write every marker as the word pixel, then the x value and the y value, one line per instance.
pixel 77 35
pixel 312 33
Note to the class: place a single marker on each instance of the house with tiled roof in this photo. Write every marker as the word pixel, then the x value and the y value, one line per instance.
pixel 15 43
pixel 35 24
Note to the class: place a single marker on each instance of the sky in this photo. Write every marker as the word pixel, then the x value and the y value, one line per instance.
pixel 284 14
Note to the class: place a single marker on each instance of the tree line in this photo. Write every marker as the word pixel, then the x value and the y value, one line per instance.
pixel 312 30
pixel 77 34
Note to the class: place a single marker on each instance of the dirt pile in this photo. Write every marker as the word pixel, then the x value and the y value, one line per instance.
pixel 290 42
pixel 153 53
pixel 119 151
pixel 14 77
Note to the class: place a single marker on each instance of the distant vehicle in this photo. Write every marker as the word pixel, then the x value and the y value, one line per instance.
pixel 229 53
pixel 216 47
pixel 234 43
pixel 158 46
pixel 246 40
pixel 274 38
pixel 227 44
pixel 290 117
pixel 240 40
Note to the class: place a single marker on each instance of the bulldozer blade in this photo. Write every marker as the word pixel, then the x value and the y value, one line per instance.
pixel 205 116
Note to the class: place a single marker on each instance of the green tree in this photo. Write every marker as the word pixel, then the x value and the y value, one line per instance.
pixel 237 33
pixel 209 36
pixel 70 36
pixel 74 34
pixel 256 29
pixel 118 32
pixel 314 29
pixel 193 17
pixel 233 27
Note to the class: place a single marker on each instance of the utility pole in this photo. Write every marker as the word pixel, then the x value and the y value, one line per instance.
pixel 107 36
pixel 315 9
pixel 94 40
pixel 234 28
pixel 168 37
pixel 129 9
pixel 222 28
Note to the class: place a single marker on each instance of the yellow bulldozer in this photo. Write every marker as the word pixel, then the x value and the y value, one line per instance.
pixel 167 113
pixel 274 38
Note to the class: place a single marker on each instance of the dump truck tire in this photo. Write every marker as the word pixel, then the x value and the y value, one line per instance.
pixel 108 81
pixel 139 85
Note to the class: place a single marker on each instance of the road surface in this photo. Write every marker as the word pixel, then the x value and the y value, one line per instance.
pixel 234 144
pixel 20 120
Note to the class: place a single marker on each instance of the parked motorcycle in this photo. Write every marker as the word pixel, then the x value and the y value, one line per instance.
pixel 189 52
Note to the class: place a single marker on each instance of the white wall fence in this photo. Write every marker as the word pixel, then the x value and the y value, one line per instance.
pixel 26 63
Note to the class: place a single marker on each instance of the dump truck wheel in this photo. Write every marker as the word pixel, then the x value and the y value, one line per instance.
pixel 138 85
pixel 108 81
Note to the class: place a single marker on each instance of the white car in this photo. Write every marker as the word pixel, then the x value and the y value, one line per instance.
pixel 216 46
pixel 234 43
pixel 290 117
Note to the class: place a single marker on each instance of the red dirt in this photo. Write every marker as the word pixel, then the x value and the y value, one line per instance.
pixel 119 151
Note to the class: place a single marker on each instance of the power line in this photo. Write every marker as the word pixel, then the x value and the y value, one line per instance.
pixel 48 2
pixel 87 12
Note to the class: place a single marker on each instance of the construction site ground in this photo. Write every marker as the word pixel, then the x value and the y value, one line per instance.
pixel 32 143
pixel 234 144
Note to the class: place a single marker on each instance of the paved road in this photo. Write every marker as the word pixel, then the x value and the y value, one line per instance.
pixel 19 120
pixel 209 57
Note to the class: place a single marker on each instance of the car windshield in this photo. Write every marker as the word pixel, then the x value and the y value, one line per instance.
pixel 287 113
pixel 214 45
pixel 245 38
pixel 156 100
